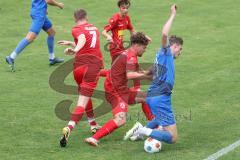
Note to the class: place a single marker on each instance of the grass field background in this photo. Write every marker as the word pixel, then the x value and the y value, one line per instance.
pixel 206 96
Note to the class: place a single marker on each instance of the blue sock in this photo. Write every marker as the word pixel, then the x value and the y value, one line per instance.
pixel 164 136
pixel 21 45
pixel 50 43
pixel 152 124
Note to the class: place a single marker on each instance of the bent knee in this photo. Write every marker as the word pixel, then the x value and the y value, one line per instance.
pixel 120 121
pixel 31 37
pixel 51 32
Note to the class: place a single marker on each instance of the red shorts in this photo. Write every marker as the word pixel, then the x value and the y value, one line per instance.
pixel 86 76
pixel 119 102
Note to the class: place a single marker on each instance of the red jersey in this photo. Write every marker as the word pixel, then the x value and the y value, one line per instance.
pixel 92 45
pixel 133 66
pixel 116 82
pixel 117 25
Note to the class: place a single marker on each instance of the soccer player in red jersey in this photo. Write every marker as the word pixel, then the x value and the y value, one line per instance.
pixel 87 65
pixel 117 92
pixel 118 23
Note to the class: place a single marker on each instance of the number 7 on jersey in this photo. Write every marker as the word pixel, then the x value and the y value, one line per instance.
pixel 94 38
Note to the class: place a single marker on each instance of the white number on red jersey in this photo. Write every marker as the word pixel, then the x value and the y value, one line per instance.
pixel 94 39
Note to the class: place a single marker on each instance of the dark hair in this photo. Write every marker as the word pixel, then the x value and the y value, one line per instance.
pixel 80 14
pixel 139 38
pixel 174 39
pixel 123 2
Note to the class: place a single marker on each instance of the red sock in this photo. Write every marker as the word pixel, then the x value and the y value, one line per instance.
pixel 146 110
pixel 108 128
pixel 89 109
pixel 76 116
pixel 90 114
pixel 103 73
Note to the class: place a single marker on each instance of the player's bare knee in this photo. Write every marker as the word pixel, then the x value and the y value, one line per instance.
pixel 119 122
pixel 120 119
pixel 51 32
pixel 30 38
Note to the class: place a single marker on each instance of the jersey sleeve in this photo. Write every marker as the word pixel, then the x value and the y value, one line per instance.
pixel 164 50
pixel 76 32
pixel 111 24
pixel 131 64
pixel 130 26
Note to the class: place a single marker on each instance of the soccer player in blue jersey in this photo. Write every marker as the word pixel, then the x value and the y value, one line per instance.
pixel 159 93
pixel 39 21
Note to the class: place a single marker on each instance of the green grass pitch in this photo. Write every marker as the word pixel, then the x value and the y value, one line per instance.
pixel 206 97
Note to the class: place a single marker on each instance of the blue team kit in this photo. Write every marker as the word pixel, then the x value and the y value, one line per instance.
pixel 159 93
pixel 39 16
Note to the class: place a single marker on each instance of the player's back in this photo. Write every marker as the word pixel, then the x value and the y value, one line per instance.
pixel 92 35
pixel 39 7
pixel 116 80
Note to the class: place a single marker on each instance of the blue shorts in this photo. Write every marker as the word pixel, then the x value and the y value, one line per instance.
pixel 161 107
pixel 40 22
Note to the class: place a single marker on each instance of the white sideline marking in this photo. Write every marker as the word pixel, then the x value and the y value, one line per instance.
pixel 223 151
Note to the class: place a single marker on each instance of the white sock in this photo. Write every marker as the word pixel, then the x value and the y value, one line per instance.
pixel 145 131
pixel 13 55
pixel 91 119
pixel 51 56
pixel 72 123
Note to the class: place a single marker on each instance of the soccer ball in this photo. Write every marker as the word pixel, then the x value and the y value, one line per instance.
pixel 152 145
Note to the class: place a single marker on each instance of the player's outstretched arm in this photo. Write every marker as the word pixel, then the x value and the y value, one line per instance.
pixel 55 3
pixel 167 26
pixel 66 43
pixel 139 75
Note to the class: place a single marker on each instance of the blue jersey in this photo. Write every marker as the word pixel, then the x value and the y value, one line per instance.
pixel 163 74
pixel 39 8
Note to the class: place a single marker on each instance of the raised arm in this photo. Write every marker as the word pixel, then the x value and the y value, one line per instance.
pixel 167 26
pixel 55 3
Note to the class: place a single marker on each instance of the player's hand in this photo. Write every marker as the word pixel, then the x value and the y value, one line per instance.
pixel 109 39
pixel 60 5
pixel 149 77
pixel 149 74
pixel 69 51
pixel 174 9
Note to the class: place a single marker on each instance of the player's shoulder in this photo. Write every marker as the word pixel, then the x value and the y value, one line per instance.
pixel 164 51
pixel 90 26
pixel 76 27
pixel 130 53
pixel 131 56
pixel 123 55
pixel 115 16
pixel 87 26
